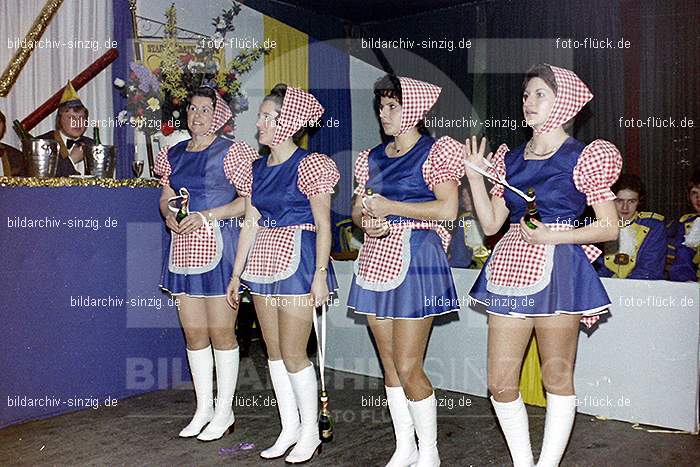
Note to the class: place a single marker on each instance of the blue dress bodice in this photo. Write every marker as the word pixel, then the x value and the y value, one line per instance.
pixel 202 173
pixel 558 200
pixel 276 195
pixel 400 178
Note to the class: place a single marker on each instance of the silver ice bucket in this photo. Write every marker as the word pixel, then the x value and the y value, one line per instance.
pixel 99 160
pixel 40 157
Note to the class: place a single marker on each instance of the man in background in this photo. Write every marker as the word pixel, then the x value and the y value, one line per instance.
pixel 12 162
pixel 71 123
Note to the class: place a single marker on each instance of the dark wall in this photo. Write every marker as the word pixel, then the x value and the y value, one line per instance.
pixel 656 76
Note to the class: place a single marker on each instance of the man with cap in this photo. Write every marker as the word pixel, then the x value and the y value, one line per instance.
pixel 71 123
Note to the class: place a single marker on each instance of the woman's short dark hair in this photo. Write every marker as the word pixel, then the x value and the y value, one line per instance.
pixel 204 91
pixel 389 86
pixel 629 182
pixel 276 96
pixel 543 72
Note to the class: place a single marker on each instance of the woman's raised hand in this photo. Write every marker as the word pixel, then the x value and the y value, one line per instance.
pixel 474 153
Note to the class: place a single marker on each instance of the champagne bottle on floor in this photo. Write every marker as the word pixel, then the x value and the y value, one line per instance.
pixel 325 421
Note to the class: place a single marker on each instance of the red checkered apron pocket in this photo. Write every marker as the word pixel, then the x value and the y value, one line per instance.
pixel 196 252
pixel 275 254
pixel 382 263
pixel 518 268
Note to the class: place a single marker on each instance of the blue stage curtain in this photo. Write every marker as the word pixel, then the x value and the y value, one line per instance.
pixel 123 135
pixel 329 81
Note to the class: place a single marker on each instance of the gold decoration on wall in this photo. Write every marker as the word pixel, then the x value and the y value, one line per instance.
pixel 59 182
pixel 13 69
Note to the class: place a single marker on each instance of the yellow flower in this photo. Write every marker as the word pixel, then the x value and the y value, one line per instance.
pixel 153 104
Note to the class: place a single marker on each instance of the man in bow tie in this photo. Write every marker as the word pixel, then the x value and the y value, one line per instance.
pixel 71 123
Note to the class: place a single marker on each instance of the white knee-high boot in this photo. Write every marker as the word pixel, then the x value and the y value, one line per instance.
pixel 287 406
pixel 424 415
pixel 305 388
pixel 226 377
pixel 513 419
pixel 561 411
pixel 202 370
pixel 406 452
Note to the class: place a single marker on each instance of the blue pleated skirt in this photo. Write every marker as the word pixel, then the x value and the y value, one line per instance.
pixel 208 284
pixel 428 289
pixel 574 288
pixel 299 283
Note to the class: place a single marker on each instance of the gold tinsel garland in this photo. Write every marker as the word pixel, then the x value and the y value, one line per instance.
pixel 59 182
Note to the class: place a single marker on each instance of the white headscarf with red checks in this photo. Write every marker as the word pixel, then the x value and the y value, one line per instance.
pixel 417 98
pixel 222 114
pixel 572 95
pixel 299 108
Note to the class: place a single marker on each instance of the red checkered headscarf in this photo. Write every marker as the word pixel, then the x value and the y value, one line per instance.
pixel 222 114
pixel 417 98
pixel 572 95
pixel 299 108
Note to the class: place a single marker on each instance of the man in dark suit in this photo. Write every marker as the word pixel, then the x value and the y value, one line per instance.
pixel 12 164
pixel 71 123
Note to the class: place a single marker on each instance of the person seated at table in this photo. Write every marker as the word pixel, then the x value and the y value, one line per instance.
pixel 467 248
pixel 12 163
pixel 71 123
pixel 638 252
pixel 684 235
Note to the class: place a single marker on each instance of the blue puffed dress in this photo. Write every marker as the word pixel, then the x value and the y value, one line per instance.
pixel 427 288
pixel 202 173
pixel 276 195
pixel 569 283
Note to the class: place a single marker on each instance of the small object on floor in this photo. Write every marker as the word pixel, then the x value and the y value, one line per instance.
pixel 235 448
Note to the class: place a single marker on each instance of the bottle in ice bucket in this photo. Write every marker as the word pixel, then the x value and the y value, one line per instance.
pixel 184 205
pixel 531 212
pixel 22 133
pixel 96 136
pixel 325 421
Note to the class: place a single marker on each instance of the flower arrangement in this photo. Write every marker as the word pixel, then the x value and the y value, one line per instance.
pixel 160 95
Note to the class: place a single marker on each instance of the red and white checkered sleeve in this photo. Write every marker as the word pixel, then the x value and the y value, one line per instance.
pixel 238 166
pixel 598 167
pixel 444 163
pixel 162 166
pixel 317 174
pixel 499 162
pixel 361 171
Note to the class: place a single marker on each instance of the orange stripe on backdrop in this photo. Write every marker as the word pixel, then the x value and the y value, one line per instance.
pixel 289 61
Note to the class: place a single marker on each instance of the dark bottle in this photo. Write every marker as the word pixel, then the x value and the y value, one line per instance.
pixel 325 421
pixel 531 212
pixel 96 136
pixel 22 133
pixel 184 206
pixel 369 192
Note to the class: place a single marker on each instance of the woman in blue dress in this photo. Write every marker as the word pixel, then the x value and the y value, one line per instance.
pixel 283 258
pixel 541 277
pixel 199 258
pixel 405 190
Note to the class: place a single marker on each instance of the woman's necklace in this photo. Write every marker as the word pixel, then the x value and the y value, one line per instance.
pixel 397 150
pixel 191 146
pixel 534 155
